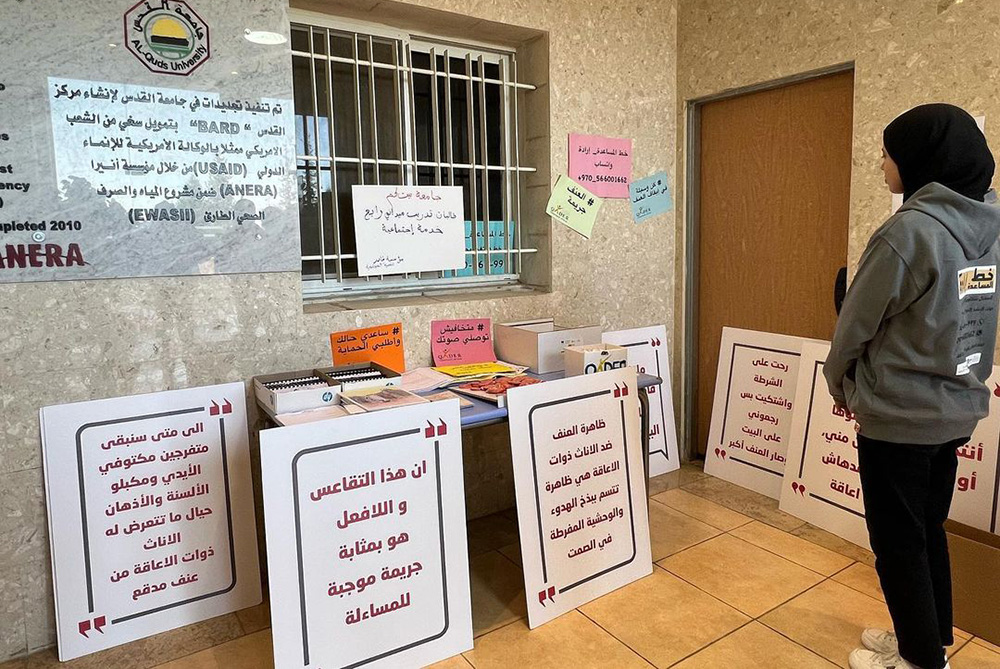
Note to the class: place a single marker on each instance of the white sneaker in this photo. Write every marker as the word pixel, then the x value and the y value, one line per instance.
pixel 867 659
pixel 863 658
pixel 880 641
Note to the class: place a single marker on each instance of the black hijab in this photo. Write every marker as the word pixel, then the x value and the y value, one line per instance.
pixel 940 143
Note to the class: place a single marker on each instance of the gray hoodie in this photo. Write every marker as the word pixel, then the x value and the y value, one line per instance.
pixel 914 341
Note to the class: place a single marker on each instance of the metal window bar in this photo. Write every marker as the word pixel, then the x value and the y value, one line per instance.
pixel 404 71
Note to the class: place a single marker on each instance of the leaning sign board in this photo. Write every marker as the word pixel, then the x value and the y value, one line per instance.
pixel 753 408
pixel 150 507
pixel 366 543
pixel 647 352
pixel 581 494
pixel 822 484
pixel 409 229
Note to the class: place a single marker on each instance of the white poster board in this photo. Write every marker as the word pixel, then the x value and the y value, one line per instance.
pixel 579 481
pixel 822 484
pixel 151 519
pixel 753 407
pixel 366 541
pixel 647 352
pixel 408 229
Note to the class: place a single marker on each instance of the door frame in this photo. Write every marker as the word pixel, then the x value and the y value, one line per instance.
pixel 692 193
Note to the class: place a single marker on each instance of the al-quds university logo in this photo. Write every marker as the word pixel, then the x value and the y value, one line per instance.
pixel 168 36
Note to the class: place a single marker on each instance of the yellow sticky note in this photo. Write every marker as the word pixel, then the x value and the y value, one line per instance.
pixel 574 206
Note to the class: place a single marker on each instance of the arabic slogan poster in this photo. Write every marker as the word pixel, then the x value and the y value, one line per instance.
pixel 574 206
pixel 602 164
pixel 647 352
pixel 462 342
pixel 650 197
pixel 366 543
pixel 408 229
pixel 382 344
pixel 581 495
pixel 822 484
pixel 753 408
pixel 151 519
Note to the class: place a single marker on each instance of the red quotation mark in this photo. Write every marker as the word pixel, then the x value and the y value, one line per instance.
pixel 215 409
pixel 440 430
pixel 621 392
pixel 655 342
pixel 99 624
pixel 549 594
pixel 799 488
pixel 720 453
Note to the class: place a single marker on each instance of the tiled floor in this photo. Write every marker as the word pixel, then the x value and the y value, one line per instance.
pixel 737 584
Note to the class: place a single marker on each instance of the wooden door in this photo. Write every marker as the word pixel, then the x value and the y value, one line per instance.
pixel 775 173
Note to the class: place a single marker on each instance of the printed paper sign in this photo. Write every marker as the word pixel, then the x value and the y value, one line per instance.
pixel 150 514
pixel 574 206
pixel 409 229
pixel 602 164
pixel 753 407
pixel 366 544
pixel 462 342
pixel 382 344
pixel 650 197
pixel 647 352
pixel 581 494
pixel 822 483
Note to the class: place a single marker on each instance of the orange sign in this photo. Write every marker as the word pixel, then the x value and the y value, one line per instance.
pixel 382 344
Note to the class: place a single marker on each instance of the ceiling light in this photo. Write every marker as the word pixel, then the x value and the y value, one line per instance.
pixel 264 37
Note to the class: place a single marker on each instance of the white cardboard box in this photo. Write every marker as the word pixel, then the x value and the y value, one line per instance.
pixel 539 344
pixel 593 358
pixel 316 396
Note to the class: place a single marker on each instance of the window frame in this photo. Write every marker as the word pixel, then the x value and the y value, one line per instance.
pixel 332 285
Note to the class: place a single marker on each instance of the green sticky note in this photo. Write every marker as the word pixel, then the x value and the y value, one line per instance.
pixel 574 206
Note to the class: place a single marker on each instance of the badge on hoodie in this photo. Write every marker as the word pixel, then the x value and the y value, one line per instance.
pixel 977 281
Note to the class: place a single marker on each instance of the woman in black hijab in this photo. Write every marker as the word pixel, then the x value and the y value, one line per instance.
pixel 912 351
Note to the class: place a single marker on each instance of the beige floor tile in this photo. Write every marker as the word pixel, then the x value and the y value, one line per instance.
pixel 256 618
pixel 862 578
pixel 747 502
pixel 663 618
pixel 975 656
pixel 671 531
pixel 688 473
pixel 986 644
pixel 835 544
pixel 791 547
pixel 457 662
pixel 19 663
pixel 755 647
pixel 965 636
pixel 253 651
pixel 741 574
pixel 512 552
pixel 490 533
pixel 702 509
pixel 497 592
pixel 571 640
pixel 828 619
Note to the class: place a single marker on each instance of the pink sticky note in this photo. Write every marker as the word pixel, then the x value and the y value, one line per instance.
pixel 602 165
pixel 461 342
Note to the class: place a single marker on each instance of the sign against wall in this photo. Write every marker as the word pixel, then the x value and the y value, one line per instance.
pixel 650 197
pixel 581 497
pixel 403 229
pixel 151 516
pixel 822 484
pixel 574 206
pixel 462 342
pixel 157 181
pixel 753 408
pixel 366 543
pixel 647 352
pixel 169 38
pixel 602 164
pixel 382 344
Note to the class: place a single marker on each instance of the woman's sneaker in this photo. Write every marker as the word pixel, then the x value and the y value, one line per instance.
pixel 869 659
pixel 880 641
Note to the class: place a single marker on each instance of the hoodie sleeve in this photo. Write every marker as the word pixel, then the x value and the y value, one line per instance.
pixel 882 288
